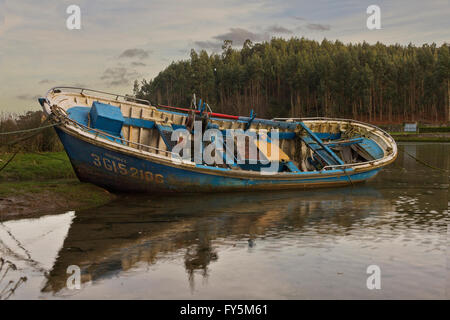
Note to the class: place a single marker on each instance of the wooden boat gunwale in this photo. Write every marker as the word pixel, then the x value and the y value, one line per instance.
pixel 94 136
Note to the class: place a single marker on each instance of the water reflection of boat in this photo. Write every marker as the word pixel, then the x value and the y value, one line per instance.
pixel 123 235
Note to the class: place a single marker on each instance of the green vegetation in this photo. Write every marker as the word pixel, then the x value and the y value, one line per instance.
pixel 401 133
pixel 434 129
pixel 42 141
pixel 300 77
pixel 418 138
pixel 69 191
pixel 35 183
pixel 425 134
pixel 36 166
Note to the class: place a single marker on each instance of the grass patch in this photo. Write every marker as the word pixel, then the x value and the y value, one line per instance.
pixel 403 133
pixel 88 195
pixel 420 139
pixel 36 183
pixel 434 129
pixel 36 166
pixel 423 130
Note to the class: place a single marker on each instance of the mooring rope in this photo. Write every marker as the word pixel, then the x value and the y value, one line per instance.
pixel 10 159
pixel 29 130
pixel 35 131
pixel 351 182
pixel 421 161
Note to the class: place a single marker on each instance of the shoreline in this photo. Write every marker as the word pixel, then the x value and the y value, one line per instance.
pixel 26 199
pixel 36 184
pixel 420 137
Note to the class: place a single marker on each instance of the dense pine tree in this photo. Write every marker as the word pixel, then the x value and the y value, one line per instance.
pixel 304 78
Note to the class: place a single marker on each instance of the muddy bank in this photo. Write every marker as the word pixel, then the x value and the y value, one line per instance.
pixel 36 184
pixel 34 198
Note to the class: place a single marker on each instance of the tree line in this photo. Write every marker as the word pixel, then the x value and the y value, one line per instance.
pixel 39 141
pixel 304 78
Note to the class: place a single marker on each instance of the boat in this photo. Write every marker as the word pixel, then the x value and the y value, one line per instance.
pixel 125 144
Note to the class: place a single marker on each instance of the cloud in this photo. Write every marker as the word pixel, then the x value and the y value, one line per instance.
pixel 78 85
pixel 279 29
pixel 138 64
pixel 146 25
pixel 45 81
pixel 135 53
pixel 214 45
pixel 9 22
pixel 239 35
pixel 26 96
pixel 318 26
pixel 118 76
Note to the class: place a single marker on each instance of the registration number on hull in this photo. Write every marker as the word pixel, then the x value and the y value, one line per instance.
pixel 120 167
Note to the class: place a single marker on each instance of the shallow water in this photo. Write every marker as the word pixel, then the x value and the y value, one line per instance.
pixel 270 245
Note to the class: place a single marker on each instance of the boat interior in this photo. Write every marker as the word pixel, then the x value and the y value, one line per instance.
pixel 303 146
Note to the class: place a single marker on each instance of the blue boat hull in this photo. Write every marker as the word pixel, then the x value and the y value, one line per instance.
pixel 121 172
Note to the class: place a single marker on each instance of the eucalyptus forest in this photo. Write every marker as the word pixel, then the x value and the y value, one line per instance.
pixel 305 78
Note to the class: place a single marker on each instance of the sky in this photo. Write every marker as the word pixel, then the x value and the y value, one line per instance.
pixel 121 40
